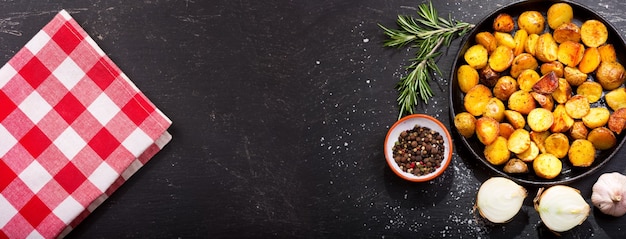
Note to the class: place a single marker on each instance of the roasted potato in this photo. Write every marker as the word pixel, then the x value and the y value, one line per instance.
pixel 503 23
pixel 547 49
pixel 476 99
pixel 522 102
pixel 578 130
pixel 544 101
pixel 617 120
pixel 467 77
pixel 557 144
pixel 540 119
pixel 515 166
pixel 597 117
pixel 527 79
pixel 531 21
pixel 520 38
pixel 516 119
pixel 488 76
pixel 581 153
pixel 501 58
pixel 519 141
pixel 465 123
pixel 592 90
pixel 494 109
pixel 610 75
pixel 562 121
pixel 593 33
pixel 476 56
pixel 558 14
pixel 487 40
pixel 577 106
pixel 602 138
pixel 521 62
pixel 530 154
pixel 539 139
pixel 505 39
pixel 531 43
pixel 591 60
pixel 563 92
pixel 487 130
pixel 497 152
pixel 607 53
pixel 547 84
pixel 555 66
pixel 505 86
pixel 547 166
pixel 616 98
pixel 570 53
pixel 506 130
pixel 574 76
pixel 567 32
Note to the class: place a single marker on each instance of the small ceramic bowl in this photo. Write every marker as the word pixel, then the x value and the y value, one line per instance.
pixel 407 123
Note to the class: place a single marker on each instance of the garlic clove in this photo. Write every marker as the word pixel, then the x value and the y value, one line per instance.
pixel 608 194
pixel 499 199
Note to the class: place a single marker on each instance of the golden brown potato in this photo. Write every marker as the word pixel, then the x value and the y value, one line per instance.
pixel 547 48
pixel 527 79
pixel 567 32
pixel 562 121
pixel 516 119
pixel 616 98
pixel 570 53
pixel 488 76
pixel 539 139
pixel 520 41
pixel 540 119
pixel 607 53
pixel 487 40
pixel 547 84
pixel 505 39
pixel 557 144
pixel 494 109
pixel 501 58
pixel 467 77
pixel 577 106
pixel 506 130
pixel 602 138
pixel 531 43
pixel 610 75
pixel 497 152
pixel 465 123
pixel 519 141
pixel 591 60
pixel 547 166
pixel 530 154
pixel 522 102
pixel 574 76
pixel 503 23
pixel 515 166
pixel 593 33
pixel 558 14
pixel 582 153
pixel 487 130
pixel 505 86
pixel 617 120
pixel 531 21
pixel 544 101
pixel 590 89
pixel 555 66
pixel 476 56
pixel 521 62
pixel 597 117
pixel 476 99
pixel 563 92
pixel 579 130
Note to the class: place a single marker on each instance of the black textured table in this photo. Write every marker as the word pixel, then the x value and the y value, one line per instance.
pixel 280 110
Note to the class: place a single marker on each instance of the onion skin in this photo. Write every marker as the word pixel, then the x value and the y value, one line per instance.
pixel 561 208
pixel 608 194
pixel 499 199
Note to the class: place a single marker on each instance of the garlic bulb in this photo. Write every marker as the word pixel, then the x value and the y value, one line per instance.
pixel 499 199
pixel 608 194
pixel 561 208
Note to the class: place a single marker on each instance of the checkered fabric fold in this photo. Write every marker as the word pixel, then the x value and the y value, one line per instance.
pixel 73 128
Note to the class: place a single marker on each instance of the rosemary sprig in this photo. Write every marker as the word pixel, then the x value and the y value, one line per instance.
pixel 427 34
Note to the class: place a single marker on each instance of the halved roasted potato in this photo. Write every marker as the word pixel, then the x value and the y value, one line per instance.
pixel 547 84
pixel 547 166
pixel 520 38
pixel 602 138
pixel 591 60
pixel 559 14
pixel 540 119
pixel 581 153
pixel 617 120
pixel 505 86
pixel 476 56
pixel 494 109
pixel 522 102
pixel 544 101
pixel 570 53
pixel 557 144
pixel 506 129
pixel 516 119
pixel 547 48
pixel 593 33
pixel 562 121
pixel 497 153
pixel 530 154
pixel 555 66
pixel 476 99
pixel 574 76
pixel 578 130
pixel 577 106
pixel 592 90
pixel 527 79
pixel 467 77
pixel 539 139
pixel 505 39
pixel 563 92
pixel 465 123
pixel 597 117
pixel 607 53
pixel 616 98
pixel 521 62
pixel 519 141
pixel 503 23
pixel 531 43
pixel 487 130
pixel 567 32
pixel 531 21
pixel 487 40
pixel 501 58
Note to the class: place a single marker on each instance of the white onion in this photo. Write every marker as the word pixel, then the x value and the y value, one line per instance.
pixel 561 208
pixel 499 199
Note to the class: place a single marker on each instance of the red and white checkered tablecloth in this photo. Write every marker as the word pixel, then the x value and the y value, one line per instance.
pixel 73 128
